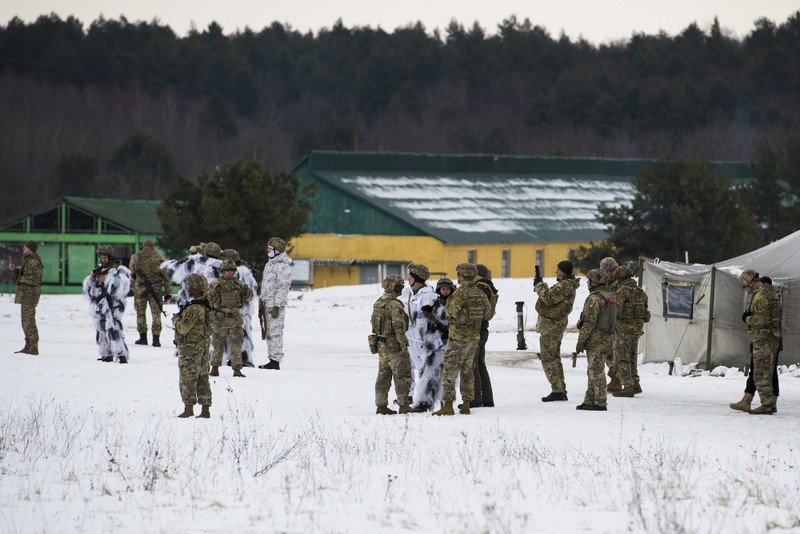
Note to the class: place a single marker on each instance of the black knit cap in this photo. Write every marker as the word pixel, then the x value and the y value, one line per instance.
pixel 32 245
pixel 565 267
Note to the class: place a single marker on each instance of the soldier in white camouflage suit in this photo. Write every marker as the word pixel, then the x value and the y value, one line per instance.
pixel 465 310
pixel 596 336
pixel 106 288
pixel 632 313
pixel 388 340
pixel 245 275
pixel 428 391
pixel 418 299
pixel 204 261
pixel 275 285
pixel 554 306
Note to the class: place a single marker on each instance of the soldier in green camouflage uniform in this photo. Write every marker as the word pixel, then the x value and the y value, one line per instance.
pixel 28 279
pixel 632 313
pixel 227 296
pixel 192 333
pixel 763 319
pixel 151 283
pixel 389 324
pixel 465 310
pixel 596 336
pixel 609 266
pixel 554 306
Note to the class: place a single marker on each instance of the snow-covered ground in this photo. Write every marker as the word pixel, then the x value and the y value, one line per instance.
pixel 87 446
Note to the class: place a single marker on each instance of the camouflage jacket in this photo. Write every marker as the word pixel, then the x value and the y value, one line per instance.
pixel 146 264
pixel 593 308
pixel 228 296
pixel 556 302
pixel 487 286
pixel 764 321
pixel 193 325
pixel 465 310
pixel 390 322
pixel 28 278
pixel 632 310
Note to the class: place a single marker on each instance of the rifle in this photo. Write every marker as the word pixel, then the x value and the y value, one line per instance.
pixel 148 290
pixel 262 318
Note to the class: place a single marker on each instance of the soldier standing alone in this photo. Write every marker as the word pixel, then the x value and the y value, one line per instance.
pixel 226 298
pixel 465 310
pixel 150 285
pixel 192 333
pixel 597 338
pixel 28 278
pixel 389 324
pixel 275 285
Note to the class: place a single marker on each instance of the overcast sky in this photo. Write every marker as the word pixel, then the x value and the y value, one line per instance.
pixel 598 21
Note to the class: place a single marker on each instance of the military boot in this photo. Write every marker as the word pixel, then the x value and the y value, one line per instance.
pixel 156 342
pixel 238 372
pixel 614 385
pixel 636 387
pixel 205 412
pixel 188 411
pixel 744 404
pixel 626 391
pixel 24 350
pixel 214 370
pixel 447 409
pixel 767 408
pixel 464 408
pixel 33 349
pixel 142 339
pixel 406 409
pixel 384 410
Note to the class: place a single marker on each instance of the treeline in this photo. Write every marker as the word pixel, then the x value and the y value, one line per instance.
pixel 84 93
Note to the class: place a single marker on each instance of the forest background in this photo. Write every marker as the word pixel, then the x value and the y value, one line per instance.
pixel 120 109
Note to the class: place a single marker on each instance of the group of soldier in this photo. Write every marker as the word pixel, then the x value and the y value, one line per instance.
pixel 428 340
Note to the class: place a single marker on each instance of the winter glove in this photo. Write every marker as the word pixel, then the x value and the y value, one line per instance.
pixel 745 315
pixel 537 281
pixel 580 347
pixel 167 299
pixel 274 312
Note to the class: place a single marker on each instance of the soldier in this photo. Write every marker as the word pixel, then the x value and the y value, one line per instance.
pixel 465 310
pixel 484 397
pixel 596 336
pixel 388 340
pixel 632 313
pixel 226 296
pixel 763 319
pixel 192 332
pixel 107 287
pixel 205 261
pixel 28 279
pixel 275 285
pixel 151 285
pixel 609 266
pixel 554 306
pixel 245 275
pixel 428 390
pixel 423 340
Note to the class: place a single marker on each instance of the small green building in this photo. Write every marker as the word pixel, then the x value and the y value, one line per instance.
pixel 69 231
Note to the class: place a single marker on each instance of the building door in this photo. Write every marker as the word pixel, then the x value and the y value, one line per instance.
pixel 368 274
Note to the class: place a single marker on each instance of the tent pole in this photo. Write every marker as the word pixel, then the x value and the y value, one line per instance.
pixel 710 318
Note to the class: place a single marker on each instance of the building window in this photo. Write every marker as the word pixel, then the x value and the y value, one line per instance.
pixel 678 299
pixel 472 256
pixel 505 264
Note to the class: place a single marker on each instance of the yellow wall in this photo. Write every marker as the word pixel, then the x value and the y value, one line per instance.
pixel 437 256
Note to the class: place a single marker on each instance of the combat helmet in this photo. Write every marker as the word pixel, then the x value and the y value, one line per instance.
pixel 106 250
pixel 445 282
pixel 230 254
pixel 468 271
pixel 598 277
pixel 608 264
pixel 196 284
pixel 212 250
pixel 623 272
pixel 419 271
pixel 227 265
pixel 747 277
pixel 392 281
pixel 277 244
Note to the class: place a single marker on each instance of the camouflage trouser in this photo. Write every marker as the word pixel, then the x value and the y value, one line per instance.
pixel 599 349
pixel 550 335
pixel 227 328
pixel 482 384
pixel 459 359
pixel 140 303
pixel 764 354
pixel 625 356
pixel 397 365
pixel 275 335
pixel 609 361
pixel 28 314
pixel 193 367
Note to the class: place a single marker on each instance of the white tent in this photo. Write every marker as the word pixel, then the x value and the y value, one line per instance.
pixel 697 309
